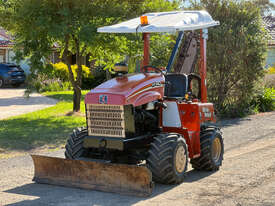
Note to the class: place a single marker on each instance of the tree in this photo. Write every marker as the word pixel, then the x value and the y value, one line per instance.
pixel 37 25
pixel 236 53
pixel 265 6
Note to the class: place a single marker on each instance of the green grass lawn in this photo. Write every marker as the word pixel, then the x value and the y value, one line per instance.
pixel 47 127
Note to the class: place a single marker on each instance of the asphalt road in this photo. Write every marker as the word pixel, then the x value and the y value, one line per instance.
pixel 247 176
pixel 13 102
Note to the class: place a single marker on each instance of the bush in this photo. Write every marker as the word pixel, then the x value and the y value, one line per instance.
pixel 265 101
pixel 61 71
pixel 271 70
pixel 56 78
pixel 99 76
pixel 262 101
pixel 42 83
pixel 55 85
pixel 89 80
pixel 236 54
pixel 236 110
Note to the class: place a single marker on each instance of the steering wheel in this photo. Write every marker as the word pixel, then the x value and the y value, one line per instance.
pixel 146 69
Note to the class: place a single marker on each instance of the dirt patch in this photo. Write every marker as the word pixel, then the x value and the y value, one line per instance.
pixel 269 80
pixel 44 149
pixel 247 176
pixel 75 114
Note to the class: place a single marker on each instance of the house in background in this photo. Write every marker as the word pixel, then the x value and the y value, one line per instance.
pixel 7 54
pixel 5 47
pixel 269 22
pixel 6 51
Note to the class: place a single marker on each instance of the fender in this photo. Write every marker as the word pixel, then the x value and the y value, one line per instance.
pixel 147 97
pixel 135 89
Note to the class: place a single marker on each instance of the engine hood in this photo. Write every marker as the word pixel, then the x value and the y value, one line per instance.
pixel 136 89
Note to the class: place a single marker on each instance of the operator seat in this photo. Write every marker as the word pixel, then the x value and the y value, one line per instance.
pixel 175 85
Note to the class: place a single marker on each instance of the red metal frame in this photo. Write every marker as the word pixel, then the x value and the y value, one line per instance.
pixel 192 116
pixel 202 67
pixel 139 89
pixel 146 49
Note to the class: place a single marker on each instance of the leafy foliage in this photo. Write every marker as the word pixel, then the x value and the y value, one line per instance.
pixel 236 53
pixel 70 26
pixel 61 71
pixel 161 49
pixel 271 70
pixel 266 6
pixel 265 101
pixel 43 83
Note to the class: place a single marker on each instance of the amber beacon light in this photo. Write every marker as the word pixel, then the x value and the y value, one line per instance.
pixel 144 20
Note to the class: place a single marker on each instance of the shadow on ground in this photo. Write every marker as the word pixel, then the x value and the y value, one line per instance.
pixel 231 122
pixel 55 195
pixel 194 175
pixel 65 97
pixel 38 100
pixel 22 86
pixel 26 134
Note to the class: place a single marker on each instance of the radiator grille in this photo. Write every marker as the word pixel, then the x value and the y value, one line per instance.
pixel 105 120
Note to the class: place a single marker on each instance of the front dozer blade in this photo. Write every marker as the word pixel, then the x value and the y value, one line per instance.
pixel 118 178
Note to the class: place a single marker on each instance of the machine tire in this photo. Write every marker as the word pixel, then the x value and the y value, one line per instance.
pixel 162 159
pixel 74 147
pixel 1 82
pixel 16 85
pixel 210 160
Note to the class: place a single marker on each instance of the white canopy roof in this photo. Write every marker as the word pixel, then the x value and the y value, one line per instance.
pixel 164 22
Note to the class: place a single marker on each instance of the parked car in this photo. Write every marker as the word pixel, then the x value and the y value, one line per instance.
pixel 11 74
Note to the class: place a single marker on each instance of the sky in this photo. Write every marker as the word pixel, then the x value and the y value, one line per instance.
pixel 273 12
pixel 273 1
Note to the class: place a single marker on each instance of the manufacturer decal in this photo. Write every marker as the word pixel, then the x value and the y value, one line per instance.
pixel 103 99
pixel 156 84
pixel 207 112
pixel 153 85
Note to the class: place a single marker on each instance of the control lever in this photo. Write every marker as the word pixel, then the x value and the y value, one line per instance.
pixel 161 104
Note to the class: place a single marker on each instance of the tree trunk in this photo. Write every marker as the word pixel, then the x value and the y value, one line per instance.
pixel 77 88
pixel 108 74
pixel 76 99
pixel 76 81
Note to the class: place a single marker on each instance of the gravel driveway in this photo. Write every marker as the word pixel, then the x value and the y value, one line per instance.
pixel 247 176
pixel 13 102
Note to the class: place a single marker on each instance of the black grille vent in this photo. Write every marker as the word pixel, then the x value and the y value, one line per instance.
pixel 105 120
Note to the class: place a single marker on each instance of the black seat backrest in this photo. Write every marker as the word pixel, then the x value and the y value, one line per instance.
pixel 175 85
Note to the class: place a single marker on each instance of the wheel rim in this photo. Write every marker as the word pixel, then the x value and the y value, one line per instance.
pixel 1 82
pixel 180 159
pixel 216 149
